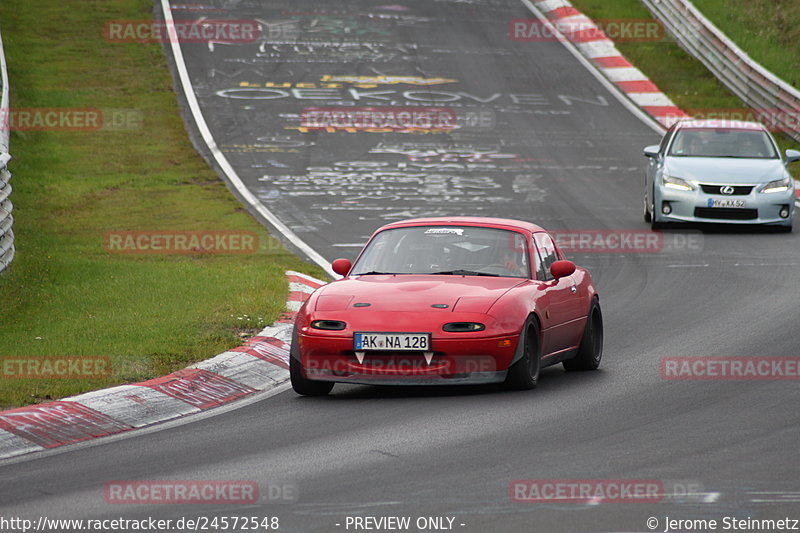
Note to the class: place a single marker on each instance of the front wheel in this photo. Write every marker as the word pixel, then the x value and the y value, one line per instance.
pixel 524 374
pixel 305 386
pixel 301 384
pixel 590 350
pixel 647 216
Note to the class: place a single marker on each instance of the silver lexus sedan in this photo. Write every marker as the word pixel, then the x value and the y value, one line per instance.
pixel 719 171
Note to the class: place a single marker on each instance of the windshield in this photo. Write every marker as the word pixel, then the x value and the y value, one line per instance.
pixel 723 142
pixel 446 250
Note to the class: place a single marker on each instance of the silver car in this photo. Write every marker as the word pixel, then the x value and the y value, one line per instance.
pixel 719 171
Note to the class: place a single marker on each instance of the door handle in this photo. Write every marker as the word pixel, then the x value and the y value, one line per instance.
pixel 574 289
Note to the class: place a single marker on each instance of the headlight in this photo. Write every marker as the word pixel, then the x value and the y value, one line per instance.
pixel 676 183
pixel 777 186
pixel 332 325
pixel 463 327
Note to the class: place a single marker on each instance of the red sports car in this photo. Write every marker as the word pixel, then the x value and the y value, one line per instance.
pixel 448 301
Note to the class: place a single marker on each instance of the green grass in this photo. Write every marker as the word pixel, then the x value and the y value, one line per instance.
pixel 767 30
pixel 64 295
pixel 679 75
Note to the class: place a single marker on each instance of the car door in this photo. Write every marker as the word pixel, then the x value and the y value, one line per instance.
pixel 563 302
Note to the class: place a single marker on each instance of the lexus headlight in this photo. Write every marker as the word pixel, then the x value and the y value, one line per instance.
pixel 676 183
pixel 777 186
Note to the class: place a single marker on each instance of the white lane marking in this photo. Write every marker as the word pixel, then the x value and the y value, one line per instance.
pixel 220 158
pixel 312 279
pixel 624 74
pixel 595 71
pixel 294 305
pixel 550 5
pixel 300 287
pixel 604 48
pixel 776 496
pixel 651 99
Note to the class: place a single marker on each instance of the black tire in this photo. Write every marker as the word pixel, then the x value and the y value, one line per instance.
pixel 654 224
pixel 647 216
pixel 524 374
pixel 301 384
pixel 590 351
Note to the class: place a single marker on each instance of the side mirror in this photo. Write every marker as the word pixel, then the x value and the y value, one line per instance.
pixel 562 269
pixel 792 156
pixel 341 266
pixel 652 151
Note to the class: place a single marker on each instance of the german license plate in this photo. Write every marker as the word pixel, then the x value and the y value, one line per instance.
pixel 726 202
pixel 392 341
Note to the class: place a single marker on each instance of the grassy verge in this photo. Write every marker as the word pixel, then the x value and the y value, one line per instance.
pixel 65 295
pixel 768 30
pixel 683 78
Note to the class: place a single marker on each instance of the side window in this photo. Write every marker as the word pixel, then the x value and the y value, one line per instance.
pixel 666 139
pixel 547 255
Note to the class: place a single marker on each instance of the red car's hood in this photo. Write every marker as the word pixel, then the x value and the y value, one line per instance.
pixel 415 292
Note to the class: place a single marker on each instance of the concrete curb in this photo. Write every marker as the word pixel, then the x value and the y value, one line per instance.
pixel 260 364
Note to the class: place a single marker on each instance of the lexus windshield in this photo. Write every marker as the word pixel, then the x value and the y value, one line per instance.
pixel 723 142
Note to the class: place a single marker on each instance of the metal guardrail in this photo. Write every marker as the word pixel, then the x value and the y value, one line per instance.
pixel 7 249
pixel 751 82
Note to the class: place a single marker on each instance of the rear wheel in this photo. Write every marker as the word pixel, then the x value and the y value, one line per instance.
pixel 301 384
pixel 524 374
pixel 590 350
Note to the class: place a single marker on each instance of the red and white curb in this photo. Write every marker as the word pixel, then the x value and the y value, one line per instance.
pixel 259 364
pixel 590 41
pixel 601 51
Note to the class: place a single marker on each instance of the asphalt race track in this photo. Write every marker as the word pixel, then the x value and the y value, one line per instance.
pixel 540 139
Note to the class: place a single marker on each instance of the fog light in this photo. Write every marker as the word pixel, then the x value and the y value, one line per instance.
pixel 784 211
pixel 331 325
pixel 463 327
pixel 666 208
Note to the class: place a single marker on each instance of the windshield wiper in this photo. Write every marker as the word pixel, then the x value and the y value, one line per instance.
pixel 464 273
pixel 375 273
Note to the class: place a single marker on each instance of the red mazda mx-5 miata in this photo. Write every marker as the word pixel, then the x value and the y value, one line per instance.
pixel 448 301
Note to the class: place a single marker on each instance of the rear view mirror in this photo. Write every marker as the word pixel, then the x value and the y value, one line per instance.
pixel 651 151
pixel 792 156
pixel 562 269
pixel 341 266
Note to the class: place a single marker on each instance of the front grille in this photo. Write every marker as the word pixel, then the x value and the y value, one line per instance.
pixel 738 190
pixel 726 213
